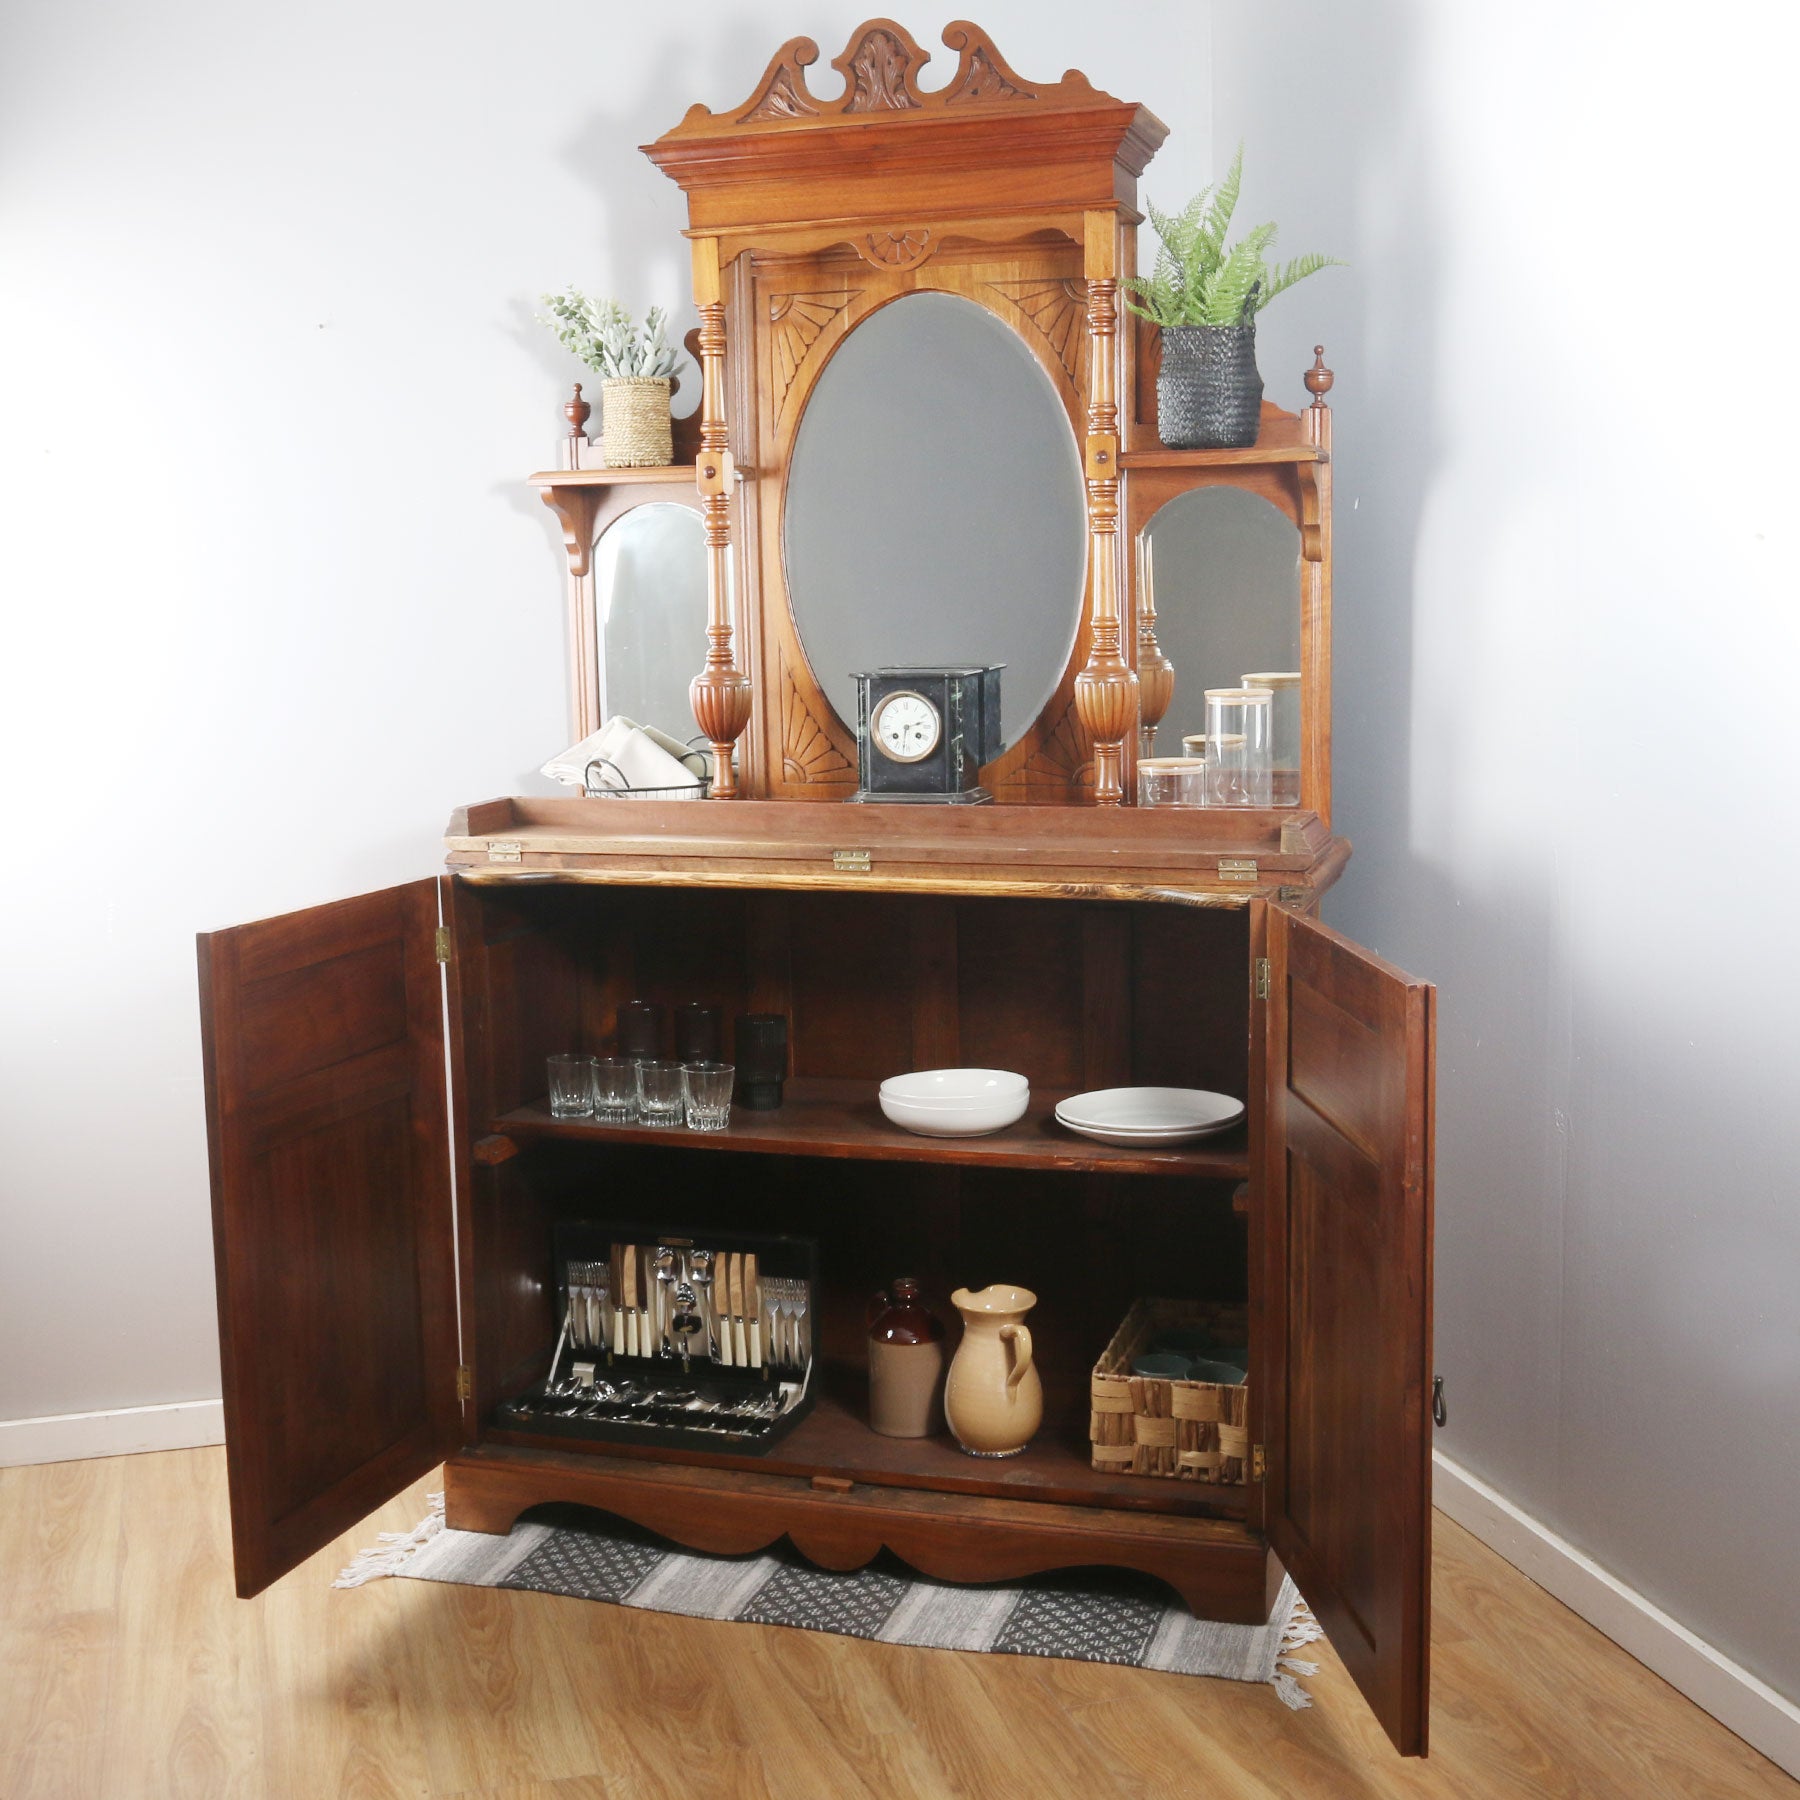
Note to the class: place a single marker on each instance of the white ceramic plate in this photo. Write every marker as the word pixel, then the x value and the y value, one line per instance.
pixel 1149 1116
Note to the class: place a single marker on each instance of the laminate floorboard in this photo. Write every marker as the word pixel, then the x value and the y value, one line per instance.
pixel 129 1671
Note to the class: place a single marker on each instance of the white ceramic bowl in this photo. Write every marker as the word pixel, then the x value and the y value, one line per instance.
pixel 955 1102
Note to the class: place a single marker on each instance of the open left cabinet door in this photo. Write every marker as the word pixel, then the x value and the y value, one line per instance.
pixel 1346 1335
pixel 332 1219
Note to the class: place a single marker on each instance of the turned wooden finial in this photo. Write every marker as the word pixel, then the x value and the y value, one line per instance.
pixel 1319 378
pixel 578 412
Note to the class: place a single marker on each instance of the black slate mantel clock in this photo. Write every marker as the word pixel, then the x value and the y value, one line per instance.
pixel 923 734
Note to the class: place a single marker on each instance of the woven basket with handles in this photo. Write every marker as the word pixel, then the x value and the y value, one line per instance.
pixel 1181 1430
pixel 634 422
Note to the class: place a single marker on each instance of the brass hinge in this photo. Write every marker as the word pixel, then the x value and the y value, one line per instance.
pixel 441 942
pixel 1259 1463
pixel 1292 896
pixel 465 1382
pixel 1236 868
pixel 501 850
pixel 1262 978
pixel 853 862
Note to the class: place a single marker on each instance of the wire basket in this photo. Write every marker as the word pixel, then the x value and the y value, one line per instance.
pixel 621 789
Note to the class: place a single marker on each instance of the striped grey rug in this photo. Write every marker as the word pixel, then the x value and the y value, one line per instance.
pixel 1089 1615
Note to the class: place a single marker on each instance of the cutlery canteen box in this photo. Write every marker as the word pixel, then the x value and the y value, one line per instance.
pixel 708 1404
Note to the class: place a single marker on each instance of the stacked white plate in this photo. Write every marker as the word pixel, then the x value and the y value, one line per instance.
pixel 955 1102
pixel 1149 1116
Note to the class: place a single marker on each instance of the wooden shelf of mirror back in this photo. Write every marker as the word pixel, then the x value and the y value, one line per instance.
pixel 371 1322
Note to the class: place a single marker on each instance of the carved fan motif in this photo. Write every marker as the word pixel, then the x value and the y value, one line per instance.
pixel 1062 760
pixel 1057 310
pixel 807 752
pixel 896 249
pixel 784 98
pixel 879 71
pixel 799 320
pixel 982 78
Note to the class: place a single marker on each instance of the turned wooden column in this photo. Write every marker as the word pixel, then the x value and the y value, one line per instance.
pixel 720 693
pixel 1106 690
pixel 1315 591
pixel 1155 673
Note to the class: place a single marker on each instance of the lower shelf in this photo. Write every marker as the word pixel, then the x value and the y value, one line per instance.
pixel 1220 1568
pixel 835 1441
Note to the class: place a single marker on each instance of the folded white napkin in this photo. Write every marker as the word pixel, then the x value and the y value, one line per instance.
pixel 632 756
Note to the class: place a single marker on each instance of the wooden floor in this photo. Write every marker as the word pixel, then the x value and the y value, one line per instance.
pixel 129 1671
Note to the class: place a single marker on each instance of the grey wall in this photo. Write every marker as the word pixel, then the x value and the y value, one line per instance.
pixel 1566 636
pixel 275 596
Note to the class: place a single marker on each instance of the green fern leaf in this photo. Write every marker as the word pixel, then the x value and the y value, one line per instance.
pixel 1280 280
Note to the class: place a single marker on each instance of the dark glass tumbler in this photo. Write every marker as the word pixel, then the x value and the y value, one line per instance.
pixel 762 1044
pixel 698 1033
pixel 641 1029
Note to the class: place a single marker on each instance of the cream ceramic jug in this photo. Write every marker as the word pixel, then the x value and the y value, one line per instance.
pixel 993 1400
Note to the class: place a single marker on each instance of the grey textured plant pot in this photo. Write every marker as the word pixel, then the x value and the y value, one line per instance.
pixel 1208 393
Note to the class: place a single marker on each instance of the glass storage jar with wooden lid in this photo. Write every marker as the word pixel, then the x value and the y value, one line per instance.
pixel 1284 731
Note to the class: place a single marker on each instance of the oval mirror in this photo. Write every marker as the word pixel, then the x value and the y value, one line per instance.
pixel 1223 566
pixel 935 508
pixel 650 612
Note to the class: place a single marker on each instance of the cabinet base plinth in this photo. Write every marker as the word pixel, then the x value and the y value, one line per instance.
pixel 1221 1569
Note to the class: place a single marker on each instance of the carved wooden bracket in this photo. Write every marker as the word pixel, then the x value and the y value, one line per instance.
pixel 575 509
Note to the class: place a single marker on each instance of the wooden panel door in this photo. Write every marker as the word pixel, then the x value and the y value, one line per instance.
pixel 1344 1350
pixel 332 1221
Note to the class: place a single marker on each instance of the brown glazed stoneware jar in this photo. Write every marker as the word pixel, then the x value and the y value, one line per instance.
pixel 993 1399
pixel 906 1363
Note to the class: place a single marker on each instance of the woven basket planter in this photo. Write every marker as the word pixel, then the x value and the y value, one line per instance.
pixel 1208 392
pixel 1179 1430
pixel 634 422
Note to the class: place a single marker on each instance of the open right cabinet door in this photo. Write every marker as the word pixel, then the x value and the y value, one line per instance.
pixel 1345 1339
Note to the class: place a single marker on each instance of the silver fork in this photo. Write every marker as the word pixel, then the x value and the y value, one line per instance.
pixel 802 1338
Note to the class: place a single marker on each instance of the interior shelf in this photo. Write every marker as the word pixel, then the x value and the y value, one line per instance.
pixel 843 1119
pixel 835 1441
pixel 664 476
pixel 1276 452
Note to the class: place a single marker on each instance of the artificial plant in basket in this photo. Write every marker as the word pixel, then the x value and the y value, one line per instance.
pixel 1205 294
pixel 636 365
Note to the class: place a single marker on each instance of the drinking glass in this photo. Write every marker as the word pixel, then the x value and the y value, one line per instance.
pixel 615 1090
pixel 658 1092
pixel 706 1089
pixel 571 1086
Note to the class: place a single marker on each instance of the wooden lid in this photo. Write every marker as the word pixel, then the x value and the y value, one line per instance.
pixel 1285 678
pixel 1240 696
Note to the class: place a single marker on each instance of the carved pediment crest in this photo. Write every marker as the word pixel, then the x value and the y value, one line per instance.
pixel 881 76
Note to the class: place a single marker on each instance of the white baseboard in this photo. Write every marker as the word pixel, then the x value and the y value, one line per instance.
pixel 72 1437
pixel 1763 1718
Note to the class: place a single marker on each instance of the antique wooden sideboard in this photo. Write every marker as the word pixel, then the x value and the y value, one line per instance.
pixel 387 1175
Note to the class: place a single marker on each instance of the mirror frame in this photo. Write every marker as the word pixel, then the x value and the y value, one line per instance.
pixel 806 211
pixel 835 204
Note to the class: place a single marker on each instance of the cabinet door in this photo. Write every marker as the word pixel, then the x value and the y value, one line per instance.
pixel 332 1221
pixel 1345 1346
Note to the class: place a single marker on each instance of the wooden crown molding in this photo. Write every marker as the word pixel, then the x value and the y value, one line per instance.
pixel 884 132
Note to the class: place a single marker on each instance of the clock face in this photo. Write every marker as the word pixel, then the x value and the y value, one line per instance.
pixel 905 727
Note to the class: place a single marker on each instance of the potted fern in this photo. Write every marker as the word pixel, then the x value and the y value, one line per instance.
pixel 636 366
pixel 1205 295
